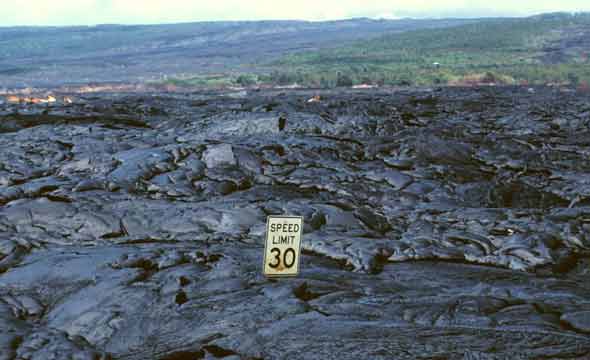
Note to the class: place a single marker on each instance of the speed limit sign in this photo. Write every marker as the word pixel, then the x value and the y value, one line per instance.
pixel 283 245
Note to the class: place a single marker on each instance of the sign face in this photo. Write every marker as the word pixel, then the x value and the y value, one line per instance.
pixel 283 245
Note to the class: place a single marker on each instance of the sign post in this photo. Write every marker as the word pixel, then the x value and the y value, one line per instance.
pixel 283 245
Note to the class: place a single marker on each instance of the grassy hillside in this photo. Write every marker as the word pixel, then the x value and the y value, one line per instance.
pixel 540 49
pixel 551 48
pixel 31 56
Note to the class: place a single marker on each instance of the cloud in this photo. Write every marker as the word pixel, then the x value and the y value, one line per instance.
pixel 71 12
pixel 386 16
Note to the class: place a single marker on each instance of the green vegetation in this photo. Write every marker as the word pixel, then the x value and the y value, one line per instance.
pixel 217 80
pixel 550 48
pixel 504 51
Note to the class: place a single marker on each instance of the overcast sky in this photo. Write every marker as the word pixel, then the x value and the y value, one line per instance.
pixel 90 12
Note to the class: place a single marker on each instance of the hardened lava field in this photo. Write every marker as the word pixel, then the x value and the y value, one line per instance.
pixel 438 223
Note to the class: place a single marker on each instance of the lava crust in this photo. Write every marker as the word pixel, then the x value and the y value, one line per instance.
pixel 439 223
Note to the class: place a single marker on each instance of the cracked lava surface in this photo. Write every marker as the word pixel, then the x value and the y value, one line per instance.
pixel 445 223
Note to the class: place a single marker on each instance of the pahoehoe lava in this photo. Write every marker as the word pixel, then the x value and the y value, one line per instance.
pixel 439 223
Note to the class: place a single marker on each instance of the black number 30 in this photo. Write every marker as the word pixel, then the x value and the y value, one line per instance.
pixel 277 258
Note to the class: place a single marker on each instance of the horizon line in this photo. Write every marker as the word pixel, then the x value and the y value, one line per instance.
pixel 303 20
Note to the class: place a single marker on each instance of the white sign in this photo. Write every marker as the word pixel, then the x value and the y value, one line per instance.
pixel 283 245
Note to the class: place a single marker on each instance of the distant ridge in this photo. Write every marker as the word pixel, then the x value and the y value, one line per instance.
pixel 45 56
pixel 542 49
pixel 550 48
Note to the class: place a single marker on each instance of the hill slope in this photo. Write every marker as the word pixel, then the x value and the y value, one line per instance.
pixel 31 56
pixel 539 49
